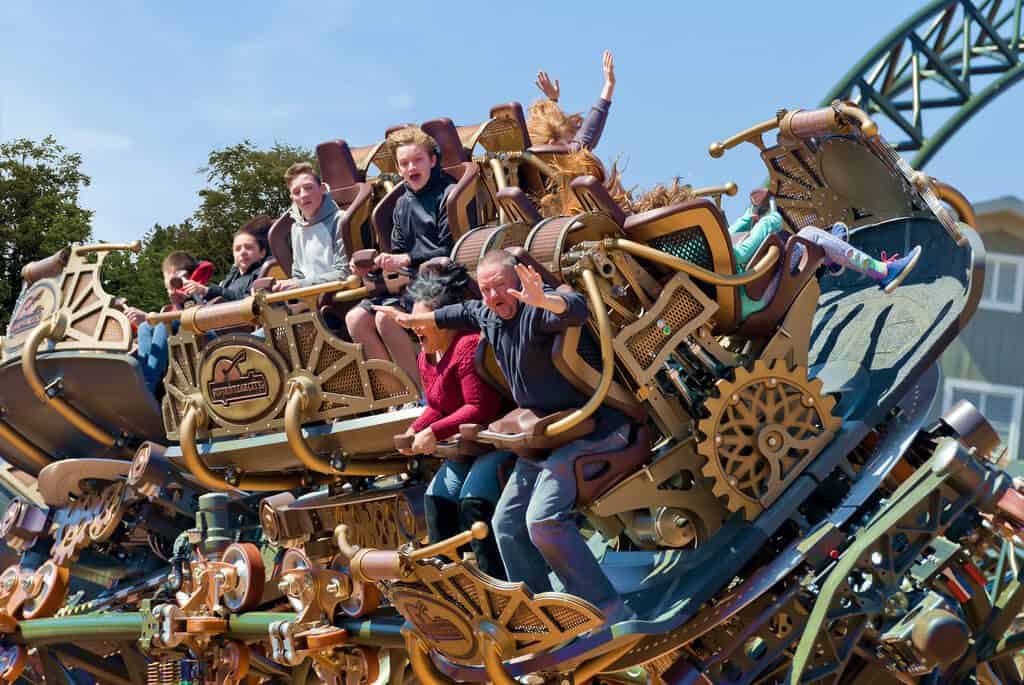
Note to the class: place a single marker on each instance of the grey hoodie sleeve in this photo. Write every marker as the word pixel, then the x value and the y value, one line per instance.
pixel 339 260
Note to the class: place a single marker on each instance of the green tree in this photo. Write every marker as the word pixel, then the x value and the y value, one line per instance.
pixel 242 182
pixel 39 213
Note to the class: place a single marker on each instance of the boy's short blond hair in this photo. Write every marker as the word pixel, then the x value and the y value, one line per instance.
pixel 411 135
pixel 298 169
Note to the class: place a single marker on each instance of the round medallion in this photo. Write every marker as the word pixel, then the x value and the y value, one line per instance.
pixel 242 379
pixel 39 302
pixel 440 624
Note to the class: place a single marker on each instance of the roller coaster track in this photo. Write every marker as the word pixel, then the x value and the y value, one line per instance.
pixel 938 69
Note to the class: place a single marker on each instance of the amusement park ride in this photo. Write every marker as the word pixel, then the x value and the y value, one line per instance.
pixel 783 513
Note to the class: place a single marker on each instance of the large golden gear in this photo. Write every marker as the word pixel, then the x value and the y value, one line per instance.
pixel 763 429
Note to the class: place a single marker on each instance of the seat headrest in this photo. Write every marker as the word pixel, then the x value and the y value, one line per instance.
pixel 397 127
pixel 518 206
pixel 280 240
pixel 594 197
pixel 514 112
pixel 447 136
pixel 337 166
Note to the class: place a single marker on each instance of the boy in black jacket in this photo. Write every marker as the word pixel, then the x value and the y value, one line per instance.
pixel 420 233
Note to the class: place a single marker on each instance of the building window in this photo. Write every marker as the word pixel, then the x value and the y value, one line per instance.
pixel 1000 404
pixel 1004 283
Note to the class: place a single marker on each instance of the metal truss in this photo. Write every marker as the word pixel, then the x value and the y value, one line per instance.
pixel 937 70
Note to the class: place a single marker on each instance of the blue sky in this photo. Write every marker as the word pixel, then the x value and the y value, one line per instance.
pixel 145 90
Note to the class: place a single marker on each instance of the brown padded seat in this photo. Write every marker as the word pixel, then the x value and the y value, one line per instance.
pixel 337 166
pixel 594 197
pixel 279 237
pixel 791 283
pixel 518 206
pixel 596 474
pixel 383 217
pixel 757 289
pixel 513 112
pixel 447 137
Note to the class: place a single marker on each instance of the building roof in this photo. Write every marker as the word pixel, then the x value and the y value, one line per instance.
pixel 1007 204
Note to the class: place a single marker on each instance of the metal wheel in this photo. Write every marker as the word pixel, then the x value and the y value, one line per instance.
pixel 250 573
pixel 49 590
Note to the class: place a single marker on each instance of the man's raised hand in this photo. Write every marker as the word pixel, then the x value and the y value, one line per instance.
pixel 531 286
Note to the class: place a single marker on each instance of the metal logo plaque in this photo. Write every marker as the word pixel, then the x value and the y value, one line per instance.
pixel 242 379
pixel 39 302
pixel 442 627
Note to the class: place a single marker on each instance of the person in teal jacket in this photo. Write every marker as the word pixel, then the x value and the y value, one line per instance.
pixel 761 220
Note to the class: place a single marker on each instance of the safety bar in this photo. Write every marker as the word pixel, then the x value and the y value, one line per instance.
pixel 371 565
pixel 959 202
pixel 764 265
pixel 53 329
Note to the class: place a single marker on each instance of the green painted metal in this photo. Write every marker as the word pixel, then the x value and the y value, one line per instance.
pixel 114 627
pixel 970 50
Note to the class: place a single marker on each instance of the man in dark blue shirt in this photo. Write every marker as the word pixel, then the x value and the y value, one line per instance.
pixel 533 521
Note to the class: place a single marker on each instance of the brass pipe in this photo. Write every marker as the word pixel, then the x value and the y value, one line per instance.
pixel 765 265
pixel 591 668
pixel 604 330
pixel 493 662
pixel 45 331
pixel 303 394
pixel 9 435
pixel 300 394
pixel 729 189
pixel 478 531
pixel 535 160
pixel 194 416
pixel 153 318
pixel 959 202
pixel 134 246
pixel 422 665
pixel 360 293
pixel 501 182
pixel 717 149
pixel 851 111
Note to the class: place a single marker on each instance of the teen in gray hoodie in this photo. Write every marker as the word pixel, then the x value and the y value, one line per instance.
pixel 318 251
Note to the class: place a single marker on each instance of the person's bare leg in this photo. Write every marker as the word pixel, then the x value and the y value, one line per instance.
pixel 362 329
pixel 401 347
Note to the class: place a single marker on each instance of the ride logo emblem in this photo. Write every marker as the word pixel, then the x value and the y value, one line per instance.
pixel 38 303
pixel 241 379
pixel 440 624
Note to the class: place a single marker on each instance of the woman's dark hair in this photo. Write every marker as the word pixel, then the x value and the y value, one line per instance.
pixel 438 286
pixel 258 228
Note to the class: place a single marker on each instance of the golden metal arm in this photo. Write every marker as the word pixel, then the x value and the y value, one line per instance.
pixel 20 443
pixel 190 424
pixel 764 266
pixel 959 202
pixel 751 135
pixel 53 329
pixel 604 330
pixel 134 246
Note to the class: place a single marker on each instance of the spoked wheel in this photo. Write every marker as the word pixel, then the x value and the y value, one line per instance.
pixel 50 589
pixel 251 576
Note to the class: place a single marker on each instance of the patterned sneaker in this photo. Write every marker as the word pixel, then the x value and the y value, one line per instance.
pixel 898 268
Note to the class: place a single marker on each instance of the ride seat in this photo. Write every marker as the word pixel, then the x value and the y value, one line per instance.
pixel 694 230
pixel 455 161
pixel 791 283
pixel 349 191
pixel 518 206
pixel 596 474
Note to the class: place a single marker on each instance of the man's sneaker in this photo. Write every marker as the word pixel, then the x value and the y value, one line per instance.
pixel 897 269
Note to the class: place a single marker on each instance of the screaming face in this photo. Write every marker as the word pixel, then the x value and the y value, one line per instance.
pixel 414 163
pixel 495 280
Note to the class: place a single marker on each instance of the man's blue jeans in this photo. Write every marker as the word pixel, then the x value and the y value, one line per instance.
pixel 536 529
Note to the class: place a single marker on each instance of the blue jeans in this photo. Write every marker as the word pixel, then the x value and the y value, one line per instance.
pixel 455 480
pixel 536 529
pixel 152 352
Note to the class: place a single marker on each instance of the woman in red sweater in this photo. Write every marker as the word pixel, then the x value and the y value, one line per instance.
pixel 462 491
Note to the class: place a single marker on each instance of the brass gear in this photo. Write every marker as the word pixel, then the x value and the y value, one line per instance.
pixel 763 428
